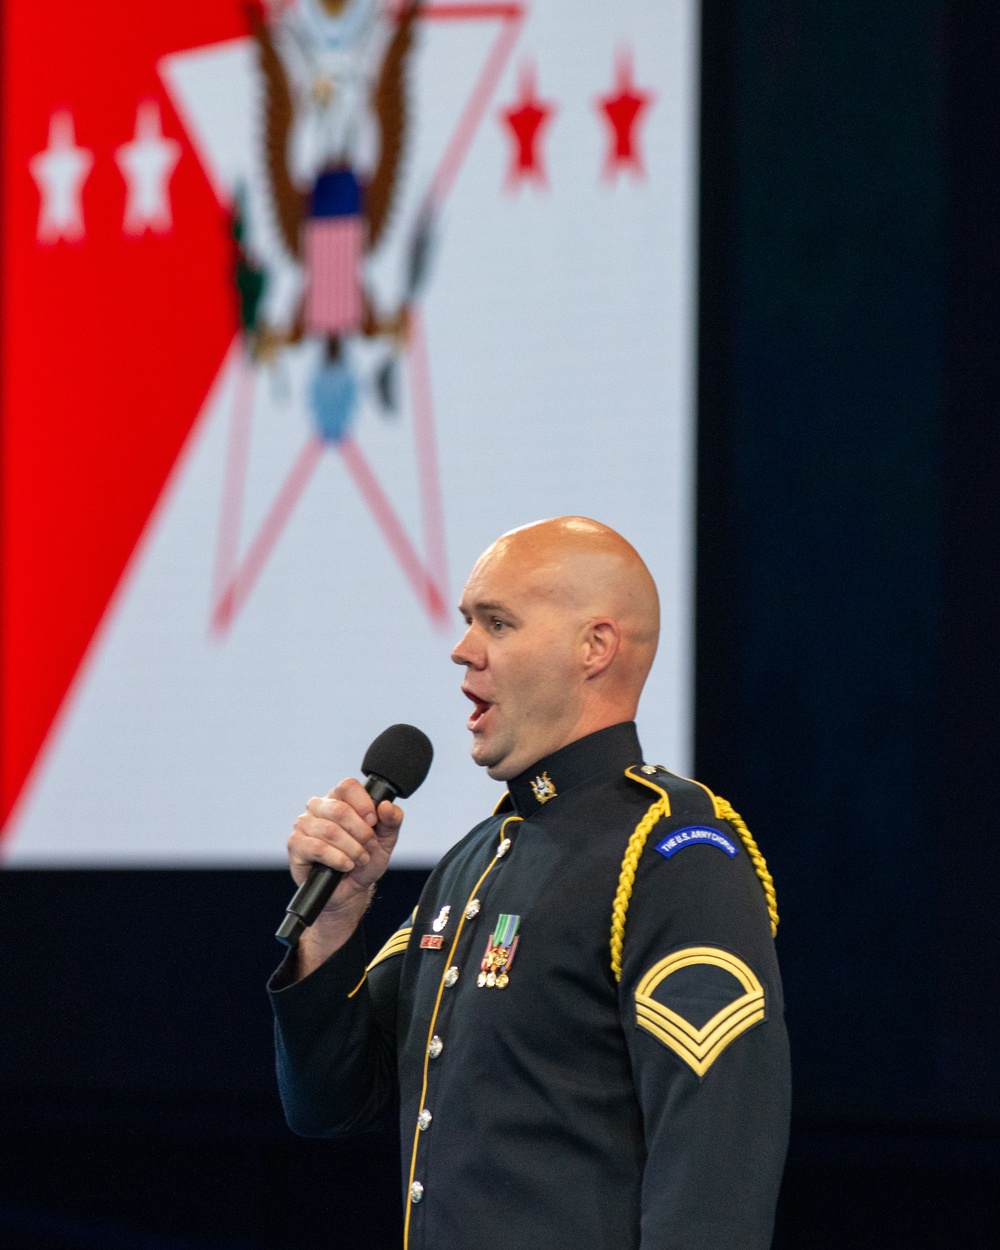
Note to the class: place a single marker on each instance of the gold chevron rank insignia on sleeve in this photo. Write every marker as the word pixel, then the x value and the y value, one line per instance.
pixel 395 946
pixel 701 977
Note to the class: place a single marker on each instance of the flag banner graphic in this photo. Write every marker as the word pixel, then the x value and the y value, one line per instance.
pixel 333 250
pixel 303 303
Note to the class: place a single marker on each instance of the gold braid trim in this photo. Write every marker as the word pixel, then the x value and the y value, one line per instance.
pixel 726 812
pixel 623 895
pixel 626 880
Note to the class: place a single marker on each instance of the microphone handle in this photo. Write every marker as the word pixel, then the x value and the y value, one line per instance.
pixel 314 893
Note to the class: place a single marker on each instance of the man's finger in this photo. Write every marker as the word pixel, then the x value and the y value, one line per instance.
pixel 303 849
pixel 351 791
pixel 336 835
pixel 339 812
pixel 390 817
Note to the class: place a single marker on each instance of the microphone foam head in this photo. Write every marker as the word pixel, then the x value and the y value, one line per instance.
pixel 400 755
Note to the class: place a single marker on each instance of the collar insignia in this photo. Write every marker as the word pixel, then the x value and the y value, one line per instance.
pixel 499 953
pixel 442 918
pixel 544 788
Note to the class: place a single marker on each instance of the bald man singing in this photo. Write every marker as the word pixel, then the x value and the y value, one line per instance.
pixel 581 1023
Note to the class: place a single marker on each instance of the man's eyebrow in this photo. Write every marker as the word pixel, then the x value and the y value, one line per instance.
pixel 487 605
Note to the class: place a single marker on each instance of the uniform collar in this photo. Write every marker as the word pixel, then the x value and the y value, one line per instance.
pixel 609 750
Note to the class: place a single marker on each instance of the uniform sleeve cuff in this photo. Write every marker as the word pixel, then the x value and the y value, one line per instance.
pixel 334 979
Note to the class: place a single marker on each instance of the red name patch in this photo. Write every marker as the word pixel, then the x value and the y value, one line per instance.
pixel 431 942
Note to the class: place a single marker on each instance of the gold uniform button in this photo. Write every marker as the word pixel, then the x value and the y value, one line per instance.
pixel 648 769
pixel 416 1192
pixel 472 911
pixel 451 976
pixel 436 1046
pixel 424 1120
pixel 503 848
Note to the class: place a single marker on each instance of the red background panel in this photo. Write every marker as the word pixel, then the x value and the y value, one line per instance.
pixel 109 344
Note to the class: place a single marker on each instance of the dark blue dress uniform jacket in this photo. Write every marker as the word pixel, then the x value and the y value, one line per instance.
pixel 567 1110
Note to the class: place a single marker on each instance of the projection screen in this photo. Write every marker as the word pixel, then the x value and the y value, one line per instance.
pixel 302 306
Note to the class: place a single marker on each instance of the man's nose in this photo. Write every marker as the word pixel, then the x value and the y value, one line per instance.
pixel 465 650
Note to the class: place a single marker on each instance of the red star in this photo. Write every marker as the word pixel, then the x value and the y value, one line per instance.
pixel 623 110
pixel 526 121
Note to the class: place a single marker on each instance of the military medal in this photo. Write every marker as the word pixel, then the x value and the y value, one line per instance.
pixel 499 953
pixel 442 918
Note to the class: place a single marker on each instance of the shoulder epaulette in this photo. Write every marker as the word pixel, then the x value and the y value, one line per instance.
pixel 686 798
pixel 680 798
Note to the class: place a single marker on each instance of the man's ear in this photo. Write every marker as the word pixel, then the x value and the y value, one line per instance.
pixel 602 639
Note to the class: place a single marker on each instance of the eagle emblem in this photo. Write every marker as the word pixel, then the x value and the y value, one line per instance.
pixel 334 129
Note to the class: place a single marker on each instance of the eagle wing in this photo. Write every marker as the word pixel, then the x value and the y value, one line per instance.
pixel 391 110
pixel 289 202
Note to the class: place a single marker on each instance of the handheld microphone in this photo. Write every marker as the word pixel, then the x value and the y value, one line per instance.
pixel 395 764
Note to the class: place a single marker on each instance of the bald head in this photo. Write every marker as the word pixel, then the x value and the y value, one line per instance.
pixel 589 571
pixel 563 624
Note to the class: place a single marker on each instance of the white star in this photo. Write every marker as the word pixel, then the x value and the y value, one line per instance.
pixel 60 172
pixel 146 164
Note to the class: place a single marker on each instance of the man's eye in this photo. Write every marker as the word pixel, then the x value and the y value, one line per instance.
pixel 497 625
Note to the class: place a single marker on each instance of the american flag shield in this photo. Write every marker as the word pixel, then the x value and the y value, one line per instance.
pixel 333 249
pixel 333 246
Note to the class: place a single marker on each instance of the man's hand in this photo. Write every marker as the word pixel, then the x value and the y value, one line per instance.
pixel 345 832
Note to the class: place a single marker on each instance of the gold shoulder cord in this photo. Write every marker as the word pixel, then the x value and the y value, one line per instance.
pixel 626 879
pixel 726 812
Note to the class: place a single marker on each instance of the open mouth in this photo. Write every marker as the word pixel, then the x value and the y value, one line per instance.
pixel 479 710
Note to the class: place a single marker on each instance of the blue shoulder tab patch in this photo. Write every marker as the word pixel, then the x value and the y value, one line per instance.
pixel 695 835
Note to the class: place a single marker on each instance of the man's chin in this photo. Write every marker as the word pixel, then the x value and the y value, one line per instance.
pixel 491 758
